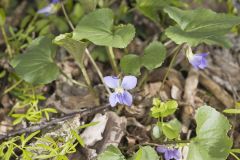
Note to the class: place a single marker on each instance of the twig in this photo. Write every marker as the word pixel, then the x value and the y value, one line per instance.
pixel 43 125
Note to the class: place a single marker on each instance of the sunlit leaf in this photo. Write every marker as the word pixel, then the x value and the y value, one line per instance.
pixel 212 141
pixel 98 28
pixel 163 109
pixel 200 26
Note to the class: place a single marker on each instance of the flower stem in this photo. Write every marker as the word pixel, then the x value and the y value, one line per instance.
pixel 112 59
pixel 175 51
pixel 97 69
pixel 66 16
pixel 9 50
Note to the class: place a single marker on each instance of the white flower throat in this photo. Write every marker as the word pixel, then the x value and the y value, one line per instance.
pixel 119 90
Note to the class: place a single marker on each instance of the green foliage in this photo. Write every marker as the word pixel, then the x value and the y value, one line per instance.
pixel 111 153
pixel 98 28
pixel 212 142
pixel 235 110
pixel 74 47
pixel 154 55
pixel 163 109
pixel 36 65
pixel 2 17
pixel 7 148
pixel 171 129
pixel 33 113
pixel 146 153
pixel 200 26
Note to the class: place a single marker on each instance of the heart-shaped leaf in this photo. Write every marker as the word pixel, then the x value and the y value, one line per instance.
pixel 98 28
pixel 212 142
pixel 200 26
pixel 36 65
pixel 153 57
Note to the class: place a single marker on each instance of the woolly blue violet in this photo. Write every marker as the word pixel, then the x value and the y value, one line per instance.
pixel 120 94
pixel 49 9
pixel 169 153
pixel 198 61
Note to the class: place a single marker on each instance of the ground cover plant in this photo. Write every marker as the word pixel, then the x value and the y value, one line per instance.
pixel 119 79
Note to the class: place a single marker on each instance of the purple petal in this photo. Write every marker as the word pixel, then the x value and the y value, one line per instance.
pixel 161 149
pixel 167 155
pixel 49 9
pixel 113 99
pixel 111 82
pixel 129 82
pixel 55 1
pixel 127 98
pixel 199 61
pixel 124 98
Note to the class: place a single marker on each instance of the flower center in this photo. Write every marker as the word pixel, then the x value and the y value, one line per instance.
pixel 119 90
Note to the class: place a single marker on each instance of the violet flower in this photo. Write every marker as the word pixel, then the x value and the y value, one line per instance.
pixel 120 94
pixel 169 153
pixel 199 60
pixel 49 9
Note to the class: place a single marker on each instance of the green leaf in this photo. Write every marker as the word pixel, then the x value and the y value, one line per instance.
pixel 111 153
pixel 154 55
pixel 2 17
pixel 74 47
pixel 232 111
pixel 200 26
pixel 172 129
pixel 88 125
pixel 24 141
pixel 36 65
pixel 98 28
pixel 146 153
pixel 163 109
pixel 212 142
pixel 79 138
